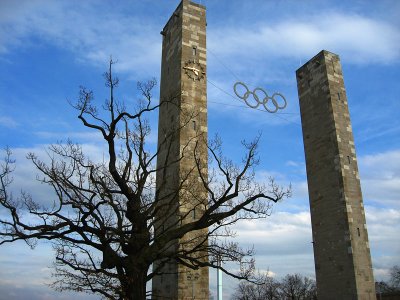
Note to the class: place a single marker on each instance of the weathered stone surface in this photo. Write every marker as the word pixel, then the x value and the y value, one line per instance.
pixel 340 239
pixel 184 40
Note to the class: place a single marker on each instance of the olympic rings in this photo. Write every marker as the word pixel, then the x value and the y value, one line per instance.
pixel 258 102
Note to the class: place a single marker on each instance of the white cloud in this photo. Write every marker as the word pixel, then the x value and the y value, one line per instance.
pixel 77 26
pixel 283 240
pixel 292 163
pixel 358 39
pixel 86 136
pixel 383 224
pixel 8 122
pixel 25 273
pixel 282 233
pixel 24 176
pixel 383 228
pixel 380 178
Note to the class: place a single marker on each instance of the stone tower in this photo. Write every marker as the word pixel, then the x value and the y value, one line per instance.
pixel 182 136
pixel 341 250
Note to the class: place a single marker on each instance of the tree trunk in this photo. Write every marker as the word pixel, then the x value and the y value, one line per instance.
pixel 135 288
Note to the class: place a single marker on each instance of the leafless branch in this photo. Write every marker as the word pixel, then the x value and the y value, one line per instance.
pixel 110 224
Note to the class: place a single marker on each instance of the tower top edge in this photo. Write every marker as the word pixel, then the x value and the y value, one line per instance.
pixel 180 7
pixel 321 54
pixel 194 4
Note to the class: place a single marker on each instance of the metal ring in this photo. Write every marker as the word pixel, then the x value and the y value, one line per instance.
pixel 284 100
pixel 273 101
pixel 245 86
pixel 264 101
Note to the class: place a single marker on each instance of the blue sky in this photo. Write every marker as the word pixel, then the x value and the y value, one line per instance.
pixel 49 48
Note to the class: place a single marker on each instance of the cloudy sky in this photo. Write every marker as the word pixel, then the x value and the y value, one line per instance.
pixel 49 48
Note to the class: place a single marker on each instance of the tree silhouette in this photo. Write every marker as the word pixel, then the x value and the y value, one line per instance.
pixel 291 287
pixel 105 214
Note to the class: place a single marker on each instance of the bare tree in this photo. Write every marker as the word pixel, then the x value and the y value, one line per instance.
pixel 395 277
pixel 291 287
pixel 105 214
pixel 392 286
pixel 266 288
pixel 297 287
pixel 271 289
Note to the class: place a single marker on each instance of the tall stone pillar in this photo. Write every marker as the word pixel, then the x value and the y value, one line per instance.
pixel 341 250
pixel 182 136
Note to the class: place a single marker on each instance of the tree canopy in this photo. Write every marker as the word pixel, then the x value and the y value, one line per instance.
pixel 104 215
